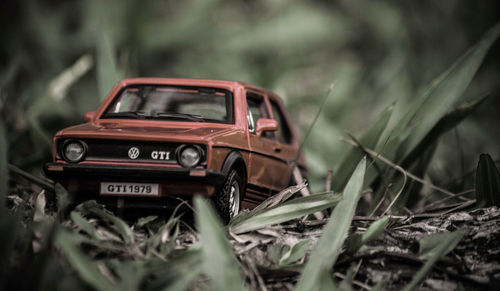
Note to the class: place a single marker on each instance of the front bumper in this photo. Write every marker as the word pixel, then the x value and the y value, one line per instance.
pixel 84 179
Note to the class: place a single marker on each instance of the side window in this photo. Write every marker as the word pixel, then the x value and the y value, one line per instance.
pixel 257 109
pixel 284 133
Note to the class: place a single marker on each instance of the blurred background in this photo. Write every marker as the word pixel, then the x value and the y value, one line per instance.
pixel 58 60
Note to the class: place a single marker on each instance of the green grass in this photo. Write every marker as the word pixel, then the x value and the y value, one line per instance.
pixel 387 101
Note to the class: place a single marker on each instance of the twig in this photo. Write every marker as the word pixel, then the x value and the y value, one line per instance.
pixel 328 181
pixel 408 211
pixel 309 129
pixel 400 190
pixel 44 183
pixel 431 205
pixel 379 171
pixel 356 270
pixel 305 191
pixel 463 205
pixel 368 218
pixel 409 259
pixel 431 215
pixel 59 86
pixel 188 227
pixel 355 218
pixel 413 177
pixel 357 283
pixel 381 200
pixel 257 275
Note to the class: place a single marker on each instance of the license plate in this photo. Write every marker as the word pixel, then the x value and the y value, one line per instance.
pixel 140 189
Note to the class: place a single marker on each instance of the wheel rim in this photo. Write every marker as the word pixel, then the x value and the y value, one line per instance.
pixel 234 199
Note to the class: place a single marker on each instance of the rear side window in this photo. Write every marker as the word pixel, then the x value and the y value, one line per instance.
pixel 284 133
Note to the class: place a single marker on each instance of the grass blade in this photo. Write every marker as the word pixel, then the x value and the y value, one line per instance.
pixel 352 158
pixel 434 247
pixel 418 160
pixel 446 90
pixel 83 224
pixel 107 71
pixel 62 198
pixel 487 182
pixel 86 267
pixel 143 221
pixel 317 272
pixel 446 123
pixel 175 274
pixel 3 166
pixel 218 263
pixel 284 212
pixel 161 241
pixel 43 183
pixel 119 225
pixel 128 273
pixel 294 254
pixel 375 229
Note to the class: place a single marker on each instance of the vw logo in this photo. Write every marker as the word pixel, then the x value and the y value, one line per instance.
pixel 133 153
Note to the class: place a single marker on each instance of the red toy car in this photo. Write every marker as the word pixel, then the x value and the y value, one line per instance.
pixel 154 138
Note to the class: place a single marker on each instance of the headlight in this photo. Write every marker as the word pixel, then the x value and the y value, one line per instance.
pixel 73 151
pixel 189 156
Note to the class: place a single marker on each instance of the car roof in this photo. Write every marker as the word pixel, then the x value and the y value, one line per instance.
pixel 193 82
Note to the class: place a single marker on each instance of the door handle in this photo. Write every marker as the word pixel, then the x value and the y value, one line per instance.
pixel 277 149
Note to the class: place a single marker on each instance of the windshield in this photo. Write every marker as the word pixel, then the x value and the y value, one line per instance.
pixel 172 103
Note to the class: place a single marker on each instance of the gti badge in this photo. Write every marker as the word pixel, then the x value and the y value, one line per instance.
pixel 133 153
pixel 160 155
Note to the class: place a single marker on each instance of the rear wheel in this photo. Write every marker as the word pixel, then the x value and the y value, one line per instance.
pixel 228 200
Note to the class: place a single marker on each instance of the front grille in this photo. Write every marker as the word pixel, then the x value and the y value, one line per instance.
pixel 118 150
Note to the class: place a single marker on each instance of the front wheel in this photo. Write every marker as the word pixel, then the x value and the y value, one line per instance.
pixel 228 200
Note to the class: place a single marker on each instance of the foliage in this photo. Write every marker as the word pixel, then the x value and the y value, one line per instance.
pixel 317 272
pixel 218 261
pixel 295 253
pixel 258 218
pixel 434 248
pixel 487 182
pixel 59 60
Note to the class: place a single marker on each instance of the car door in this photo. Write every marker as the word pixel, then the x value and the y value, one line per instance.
pixel 266 171
pixel 286 147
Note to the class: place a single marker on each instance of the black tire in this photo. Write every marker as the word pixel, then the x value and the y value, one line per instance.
pixel 228 199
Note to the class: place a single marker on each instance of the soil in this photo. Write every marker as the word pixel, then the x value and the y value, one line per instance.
pixel 393 258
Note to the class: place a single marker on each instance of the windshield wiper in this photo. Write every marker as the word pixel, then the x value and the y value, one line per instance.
pixel 191 117
pixel 133 114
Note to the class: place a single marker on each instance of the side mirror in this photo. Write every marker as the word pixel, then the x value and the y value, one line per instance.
pixel 266 124
pixel 89 116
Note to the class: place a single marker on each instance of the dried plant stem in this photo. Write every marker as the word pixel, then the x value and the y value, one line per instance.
pixel 354 282
pixel 356 270
pixel 400 190
pixel 460 206
pixel 403 171
pixel 60 85
pixel 256 274
pixel 328 180
pixel 43 183
pixel 435 203
pixel 441 201
pixel 305 191
pixel 381 201
pixel 309 129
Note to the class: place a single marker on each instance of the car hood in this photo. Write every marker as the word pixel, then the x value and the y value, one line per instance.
pixel 120 130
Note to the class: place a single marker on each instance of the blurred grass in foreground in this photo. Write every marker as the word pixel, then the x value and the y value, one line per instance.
pixel 296 49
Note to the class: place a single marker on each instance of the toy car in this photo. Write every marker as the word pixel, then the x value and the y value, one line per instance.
pixel 154 138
